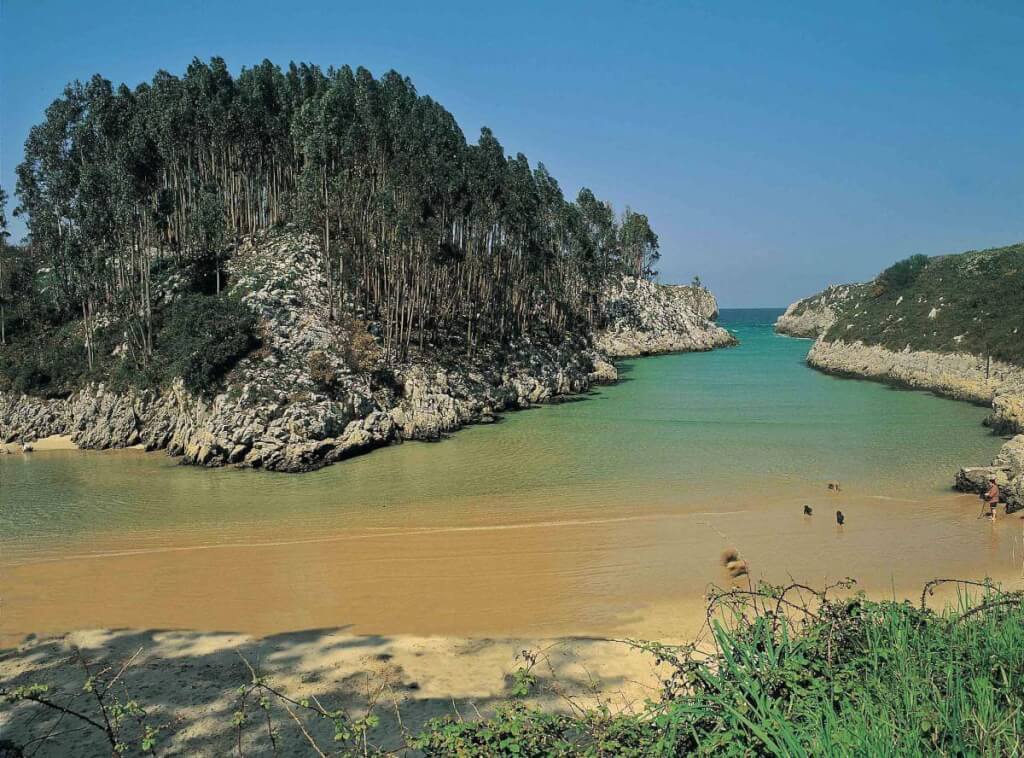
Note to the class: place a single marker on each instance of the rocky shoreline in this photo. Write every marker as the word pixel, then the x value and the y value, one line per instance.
pixel 961 376
pixel 297 404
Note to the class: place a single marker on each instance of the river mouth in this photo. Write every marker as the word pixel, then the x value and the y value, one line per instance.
pixel 606 516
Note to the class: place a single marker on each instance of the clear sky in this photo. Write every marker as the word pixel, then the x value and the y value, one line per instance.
pixel 777 147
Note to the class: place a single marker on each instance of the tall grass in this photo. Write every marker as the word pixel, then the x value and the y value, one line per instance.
pixel 793 673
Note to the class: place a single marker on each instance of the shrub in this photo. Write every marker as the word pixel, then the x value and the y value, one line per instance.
pixel 202 338
pixel 901 274
pixel 320 369
pixel 977 297
pixel 363 352
pixel 49 359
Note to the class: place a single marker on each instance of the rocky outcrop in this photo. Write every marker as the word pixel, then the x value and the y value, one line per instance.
pixel 1008 471
pixel 296 404
pixel 958 375
pixel 814 315
pixel 647 318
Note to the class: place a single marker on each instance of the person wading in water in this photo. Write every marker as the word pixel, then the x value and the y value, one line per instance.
pixel 992 497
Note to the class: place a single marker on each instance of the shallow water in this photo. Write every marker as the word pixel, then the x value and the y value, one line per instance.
pixel 597 516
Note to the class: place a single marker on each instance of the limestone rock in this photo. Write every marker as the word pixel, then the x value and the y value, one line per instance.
pixel 647 318
pixel 958 375
pixel 1011 457
pixel 814 315
pixel 976 478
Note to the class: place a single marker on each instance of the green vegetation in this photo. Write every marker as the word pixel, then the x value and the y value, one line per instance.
pixel 785 671
pixel 972 302
pixel 421 233
pixel 845 677
pixel 202 337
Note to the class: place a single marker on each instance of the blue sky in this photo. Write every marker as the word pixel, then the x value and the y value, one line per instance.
pixel 776 147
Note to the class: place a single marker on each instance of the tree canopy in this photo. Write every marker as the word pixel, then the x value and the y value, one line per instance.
pixel 420 230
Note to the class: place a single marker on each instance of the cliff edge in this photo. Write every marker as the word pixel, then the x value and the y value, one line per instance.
pixel 814 315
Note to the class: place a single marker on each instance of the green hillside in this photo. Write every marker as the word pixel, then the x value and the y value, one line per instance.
pixel 972 302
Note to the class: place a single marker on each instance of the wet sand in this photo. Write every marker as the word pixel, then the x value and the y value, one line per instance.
pixel 421 607
pixel 643 575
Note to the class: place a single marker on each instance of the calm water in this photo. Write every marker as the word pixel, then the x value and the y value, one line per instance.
pixel 611 504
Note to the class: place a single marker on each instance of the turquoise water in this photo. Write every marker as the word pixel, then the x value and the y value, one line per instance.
pixel 605 516
pixel 678 432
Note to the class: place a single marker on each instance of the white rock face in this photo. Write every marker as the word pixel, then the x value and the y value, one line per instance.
pixel 814 315
pixel 959 375
pixel 648 318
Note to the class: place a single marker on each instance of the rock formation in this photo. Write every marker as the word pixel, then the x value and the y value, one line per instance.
pixel 814 315
pixel 297 403
pixel 647 318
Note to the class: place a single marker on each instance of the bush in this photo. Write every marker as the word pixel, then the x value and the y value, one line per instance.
pixel 977 297
pixel 320 370
pixel 363 352
pixel 901 274
pixel 49 359
pixel 202 338
pixel 790 676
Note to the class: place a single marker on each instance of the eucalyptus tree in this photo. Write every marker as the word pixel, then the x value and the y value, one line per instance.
pixel 432 237
pixel 5 273
pixel 639 244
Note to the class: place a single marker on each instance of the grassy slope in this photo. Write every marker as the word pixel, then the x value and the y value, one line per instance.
pixel 978 296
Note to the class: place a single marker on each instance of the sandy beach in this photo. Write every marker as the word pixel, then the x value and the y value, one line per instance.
pixel 54 442
pixel 191 680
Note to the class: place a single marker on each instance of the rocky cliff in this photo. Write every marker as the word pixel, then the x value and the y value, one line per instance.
pixel 814 315
pixel 949 325
pixel 958 375
pixel 647 318
pixel 297 403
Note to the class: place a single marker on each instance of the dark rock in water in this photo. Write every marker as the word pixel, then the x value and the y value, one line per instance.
pixel 976 478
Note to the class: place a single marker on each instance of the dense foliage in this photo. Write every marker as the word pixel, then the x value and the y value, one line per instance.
pixel 972 302
pixel 202 337
pixel 902 274
pixel 421 232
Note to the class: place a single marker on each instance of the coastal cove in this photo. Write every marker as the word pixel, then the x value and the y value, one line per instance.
pixel 602 516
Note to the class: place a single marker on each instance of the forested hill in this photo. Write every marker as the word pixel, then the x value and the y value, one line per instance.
pixel 134 197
